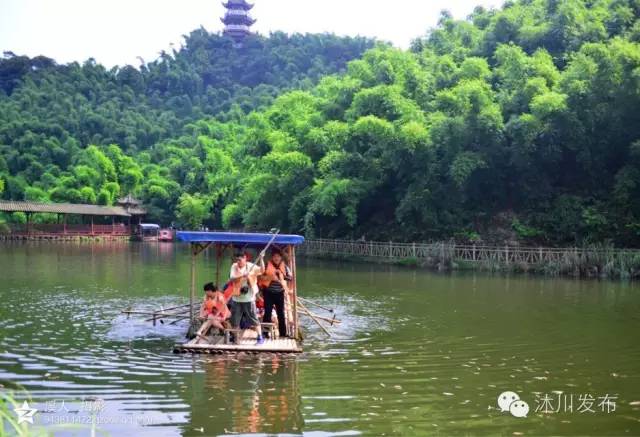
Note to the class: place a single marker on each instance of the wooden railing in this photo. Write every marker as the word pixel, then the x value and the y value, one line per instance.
pixel 503 255
pixel 68 229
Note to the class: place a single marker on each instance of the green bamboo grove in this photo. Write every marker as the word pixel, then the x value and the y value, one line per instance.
pixel 515 124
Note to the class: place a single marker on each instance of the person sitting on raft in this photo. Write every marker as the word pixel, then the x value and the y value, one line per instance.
pixel 213 311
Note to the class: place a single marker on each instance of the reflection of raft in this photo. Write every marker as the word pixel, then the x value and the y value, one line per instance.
pixel 222 241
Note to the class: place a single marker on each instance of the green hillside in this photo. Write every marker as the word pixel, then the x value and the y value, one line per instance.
pixel 519 123
pixel 50 114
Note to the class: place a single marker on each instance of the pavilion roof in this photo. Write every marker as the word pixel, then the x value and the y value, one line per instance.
pixel 129 200
pixel 68 208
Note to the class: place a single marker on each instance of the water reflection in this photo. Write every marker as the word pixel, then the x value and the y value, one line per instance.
pixel 246 395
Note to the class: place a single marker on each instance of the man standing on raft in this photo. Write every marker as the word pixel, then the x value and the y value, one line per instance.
pixel 274 289
pixel 244 277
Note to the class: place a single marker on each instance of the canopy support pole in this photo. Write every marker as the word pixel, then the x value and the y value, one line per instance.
pixel 219 254
pixel 192 294
pixel 292 257
pixel 196 249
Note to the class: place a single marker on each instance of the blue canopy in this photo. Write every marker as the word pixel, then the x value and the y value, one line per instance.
pixel 239 238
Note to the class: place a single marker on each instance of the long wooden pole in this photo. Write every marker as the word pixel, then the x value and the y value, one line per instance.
pixel 192 295
pixel 296 326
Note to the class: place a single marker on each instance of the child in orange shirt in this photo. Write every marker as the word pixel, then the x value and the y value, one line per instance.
pixel 213 311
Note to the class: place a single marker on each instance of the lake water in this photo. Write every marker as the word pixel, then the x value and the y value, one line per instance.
pixel 417 353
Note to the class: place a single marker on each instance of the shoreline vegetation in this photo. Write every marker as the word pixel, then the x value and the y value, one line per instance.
pixel 595 261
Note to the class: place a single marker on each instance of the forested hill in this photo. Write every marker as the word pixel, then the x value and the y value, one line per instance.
pixel 49 113
pixel 522 122
pixel 135 108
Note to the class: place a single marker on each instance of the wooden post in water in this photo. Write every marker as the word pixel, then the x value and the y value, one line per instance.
pixel 506 254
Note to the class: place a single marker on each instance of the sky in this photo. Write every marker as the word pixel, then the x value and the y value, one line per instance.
pixel 117 32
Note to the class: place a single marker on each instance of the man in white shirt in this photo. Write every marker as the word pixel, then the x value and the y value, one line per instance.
pixel 244 276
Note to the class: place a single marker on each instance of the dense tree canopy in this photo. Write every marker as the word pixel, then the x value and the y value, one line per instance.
pixel 61 125
pixel 522 122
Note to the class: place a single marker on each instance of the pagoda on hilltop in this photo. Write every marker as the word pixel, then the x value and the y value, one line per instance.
pixel 237 21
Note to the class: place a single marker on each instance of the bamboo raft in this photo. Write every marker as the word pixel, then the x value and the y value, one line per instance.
pixel 247 344
pixel 246 339
pixel 216 344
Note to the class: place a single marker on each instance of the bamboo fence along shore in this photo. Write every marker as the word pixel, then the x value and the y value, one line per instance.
pixel 589 261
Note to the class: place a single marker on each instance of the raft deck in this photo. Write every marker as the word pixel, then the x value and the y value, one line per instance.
pixel 216 345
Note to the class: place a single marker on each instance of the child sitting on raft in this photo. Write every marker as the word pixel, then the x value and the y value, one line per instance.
pixel 213 311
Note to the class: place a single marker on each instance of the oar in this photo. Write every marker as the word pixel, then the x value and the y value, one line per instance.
pixel 314 318
pixel 177 311
pixel 309 302
pixel 325 319
pixel 179 320
pixel 160 315
pixel 148 313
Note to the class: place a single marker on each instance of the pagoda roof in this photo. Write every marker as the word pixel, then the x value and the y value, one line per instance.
pixel 238 4
pixel 238 19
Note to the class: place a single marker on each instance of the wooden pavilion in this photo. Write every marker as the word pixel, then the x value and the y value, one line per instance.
pixel 112 221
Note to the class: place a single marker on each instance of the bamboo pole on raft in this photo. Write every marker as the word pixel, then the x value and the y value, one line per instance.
pixel 292 257
pixel 192 295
